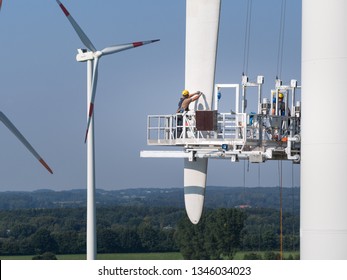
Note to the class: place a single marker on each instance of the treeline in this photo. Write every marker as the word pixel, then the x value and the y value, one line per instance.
pixel 130 229
pixel 63 231
pixel 216 197
pixel 217 236
pixel 222 232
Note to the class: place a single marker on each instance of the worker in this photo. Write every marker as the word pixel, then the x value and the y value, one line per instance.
pixel 281 105
pixel 186 99
pixel 183 106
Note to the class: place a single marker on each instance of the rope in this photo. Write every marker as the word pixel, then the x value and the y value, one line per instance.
pixel 281 39
pixel 293 208
pixel 279 73
pixel 244 182
pixel 281 208
pixel 247 36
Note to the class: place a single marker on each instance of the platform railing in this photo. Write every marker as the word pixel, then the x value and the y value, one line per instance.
pixel 178 129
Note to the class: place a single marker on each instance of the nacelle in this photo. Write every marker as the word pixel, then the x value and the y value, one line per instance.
pixel 84 55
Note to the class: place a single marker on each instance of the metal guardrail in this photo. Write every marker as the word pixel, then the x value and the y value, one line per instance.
pixel 180 129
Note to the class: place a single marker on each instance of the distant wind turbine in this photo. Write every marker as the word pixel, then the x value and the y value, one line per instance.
pixel 92 56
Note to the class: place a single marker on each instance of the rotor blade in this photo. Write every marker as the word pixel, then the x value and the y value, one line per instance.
pixel 93 86
pixel 123 47
pixel 21 138
pixel 108 50
pixel 85 40
pixel 0 4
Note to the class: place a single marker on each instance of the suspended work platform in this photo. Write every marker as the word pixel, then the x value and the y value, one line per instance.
pixel 272 133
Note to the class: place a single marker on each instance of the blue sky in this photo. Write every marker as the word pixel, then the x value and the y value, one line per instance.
pixel 43 88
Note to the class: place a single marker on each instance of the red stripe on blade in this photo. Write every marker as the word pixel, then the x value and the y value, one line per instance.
pixel 85 138
pixel 66 12
pixel 137 44
pixel 46 165
pixel 91 108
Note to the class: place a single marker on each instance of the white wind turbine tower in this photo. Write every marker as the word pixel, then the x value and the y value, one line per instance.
pixel 92 56
pixel 20 136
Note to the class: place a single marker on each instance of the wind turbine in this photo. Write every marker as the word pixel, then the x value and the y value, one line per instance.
pixel 92 56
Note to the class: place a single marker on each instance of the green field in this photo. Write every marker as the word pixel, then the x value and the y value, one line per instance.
pixel 137 256
pixel 132 256
pixel 286 255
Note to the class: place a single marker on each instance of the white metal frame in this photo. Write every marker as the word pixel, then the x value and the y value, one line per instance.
pixel 237 95
pixel 245 84
pixel 256 136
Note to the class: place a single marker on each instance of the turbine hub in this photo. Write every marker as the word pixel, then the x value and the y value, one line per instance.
pixel 97 54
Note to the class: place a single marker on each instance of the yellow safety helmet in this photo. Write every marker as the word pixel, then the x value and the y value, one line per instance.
pixel 280 95
pixel 185 92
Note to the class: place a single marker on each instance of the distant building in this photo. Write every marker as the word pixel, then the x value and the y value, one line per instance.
pixel 243 206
